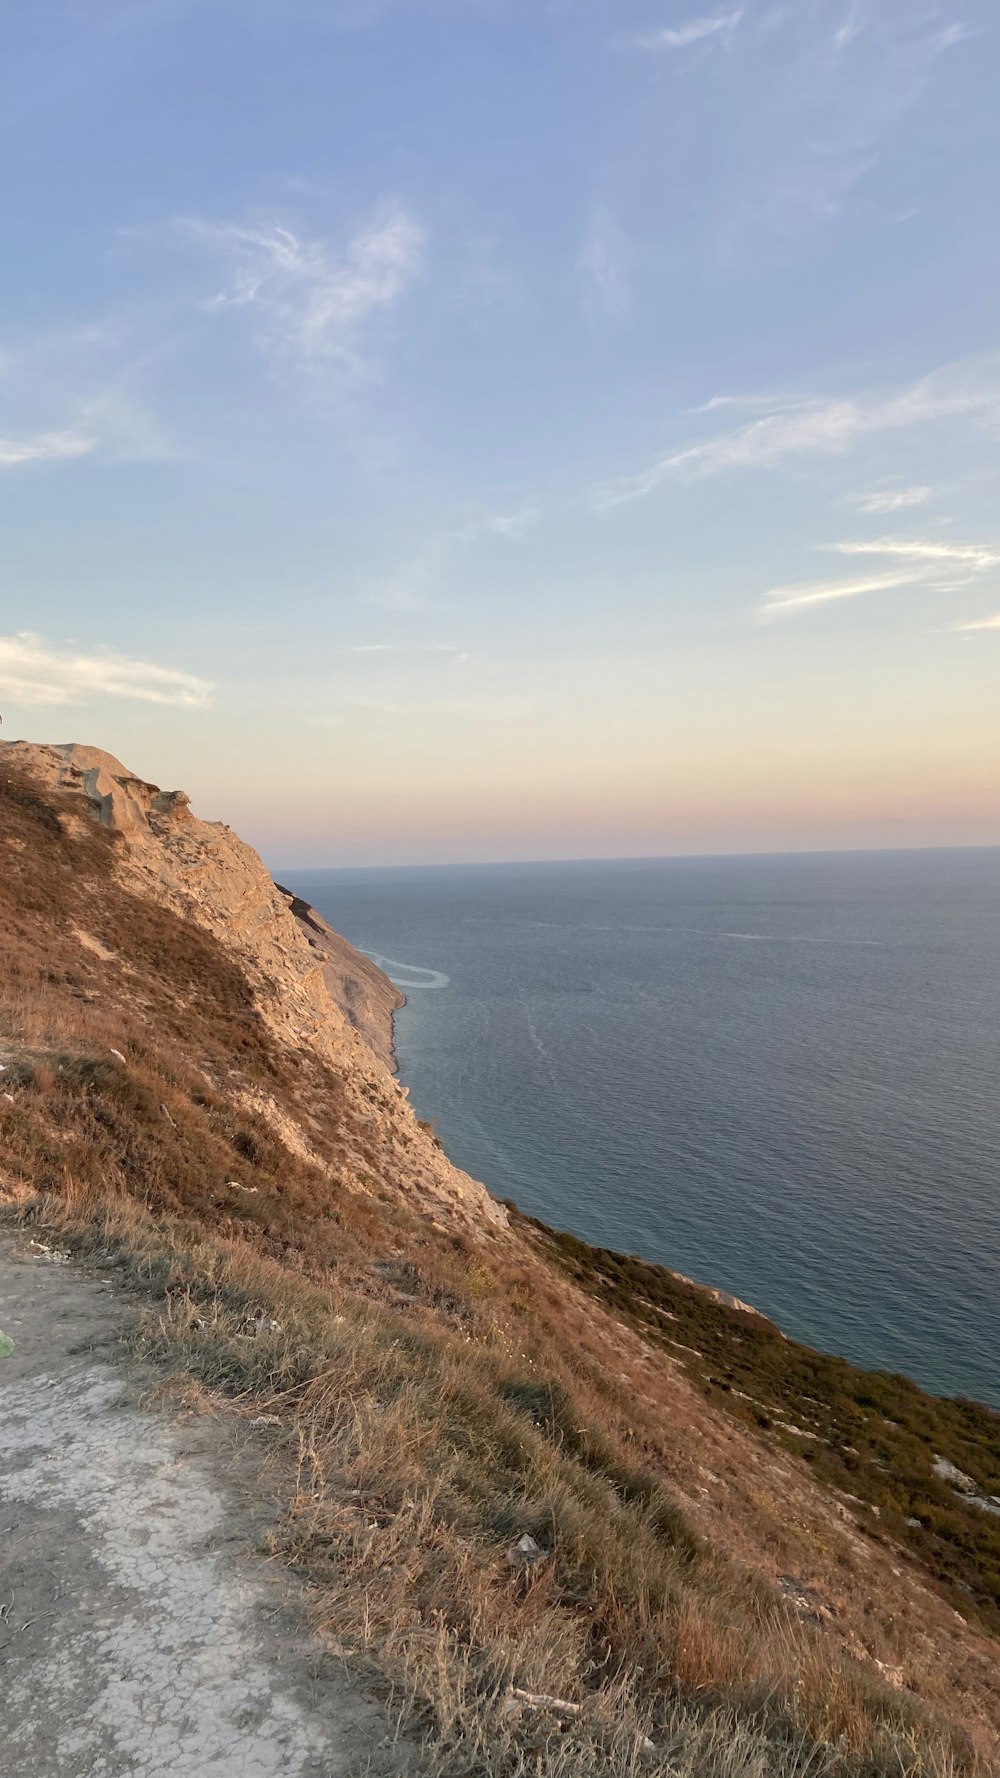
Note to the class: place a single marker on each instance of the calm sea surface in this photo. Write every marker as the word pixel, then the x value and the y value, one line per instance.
pixel 780 1075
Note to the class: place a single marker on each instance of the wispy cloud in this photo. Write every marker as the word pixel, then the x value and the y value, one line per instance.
pixel 785 601
pixel 850 28
pixel 826 82
pixel 603 264
pixel 45 447
pixel 695 30
pixel 310 299
pixel 922 562
pixel 892 499
pixel 978 624
pixel 407 588
pixel 412 585
pixel 948 37
pixel 78 392
pixel 510 524
pixel 33 671
pixel 811 426
pixel 974 556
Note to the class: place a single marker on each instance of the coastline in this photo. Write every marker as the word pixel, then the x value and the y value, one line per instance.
pixel 758 1157
pixel 868 1436
pixel 724 1300
pixel 393 1052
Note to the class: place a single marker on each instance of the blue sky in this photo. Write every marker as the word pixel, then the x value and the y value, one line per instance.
pixel 499 430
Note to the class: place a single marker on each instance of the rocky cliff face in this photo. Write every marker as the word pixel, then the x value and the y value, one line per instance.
pixel 312 989
pixel 366 997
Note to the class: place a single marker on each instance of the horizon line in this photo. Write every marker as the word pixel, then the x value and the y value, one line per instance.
pixel 638 858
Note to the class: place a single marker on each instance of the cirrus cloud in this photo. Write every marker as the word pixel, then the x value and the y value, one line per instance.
pixel 790 429
pixel 309 298
pixel 892 499
pixel 45 447
pixel 783 601
pixel 921 563
pixel 603 264
pixel 978 624
pixel 696 30
pixel 973 556
pixel 33 671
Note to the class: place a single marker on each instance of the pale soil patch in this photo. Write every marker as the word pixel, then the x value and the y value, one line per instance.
pixel 90 943
pixel 141 1632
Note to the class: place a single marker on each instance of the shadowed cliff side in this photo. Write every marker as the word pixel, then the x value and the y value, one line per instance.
pixel 366 997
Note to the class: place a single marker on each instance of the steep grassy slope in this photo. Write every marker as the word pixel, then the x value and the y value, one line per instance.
pixel 875 1439
pixel 443 1384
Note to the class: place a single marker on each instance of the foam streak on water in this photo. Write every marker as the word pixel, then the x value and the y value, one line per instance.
pixel 407 975
pixel 781 1075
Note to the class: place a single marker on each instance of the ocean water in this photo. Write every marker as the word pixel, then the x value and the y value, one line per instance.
pixel 779 1075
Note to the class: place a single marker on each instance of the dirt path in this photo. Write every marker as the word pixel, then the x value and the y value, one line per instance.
pixel 140 1632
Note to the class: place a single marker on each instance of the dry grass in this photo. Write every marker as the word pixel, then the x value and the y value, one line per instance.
pixel 872 1436
pixel 430 1404
pixel 417 1456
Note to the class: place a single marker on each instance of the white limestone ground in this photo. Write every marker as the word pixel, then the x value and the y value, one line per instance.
pixel 140 1633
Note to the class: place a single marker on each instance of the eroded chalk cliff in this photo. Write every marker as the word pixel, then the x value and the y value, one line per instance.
pixel 366 997
pixel 312 989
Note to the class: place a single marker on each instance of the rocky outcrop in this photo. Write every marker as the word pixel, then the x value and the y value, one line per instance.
pixel 205 873
pixel 312 989
pixel 723 1298
pixel 366 997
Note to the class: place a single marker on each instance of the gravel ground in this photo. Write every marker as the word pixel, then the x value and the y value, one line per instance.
pixel 141 1631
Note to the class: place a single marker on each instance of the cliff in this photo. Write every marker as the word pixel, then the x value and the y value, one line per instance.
pixel 366 997
pixel 587 1517
pixel 314 992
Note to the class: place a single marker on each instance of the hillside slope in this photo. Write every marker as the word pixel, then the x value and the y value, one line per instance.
pixel 745 1557
pixel 309 988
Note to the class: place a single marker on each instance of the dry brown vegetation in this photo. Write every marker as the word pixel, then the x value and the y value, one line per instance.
pixel 869 1435
pixel 435 1396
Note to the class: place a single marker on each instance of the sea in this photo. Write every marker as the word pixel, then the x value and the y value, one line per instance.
pixel 779 1075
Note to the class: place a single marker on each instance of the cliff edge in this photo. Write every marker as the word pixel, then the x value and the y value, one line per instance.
pixel 314 992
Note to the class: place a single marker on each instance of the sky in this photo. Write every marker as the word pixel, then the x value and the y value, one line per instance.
pixel 443 430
